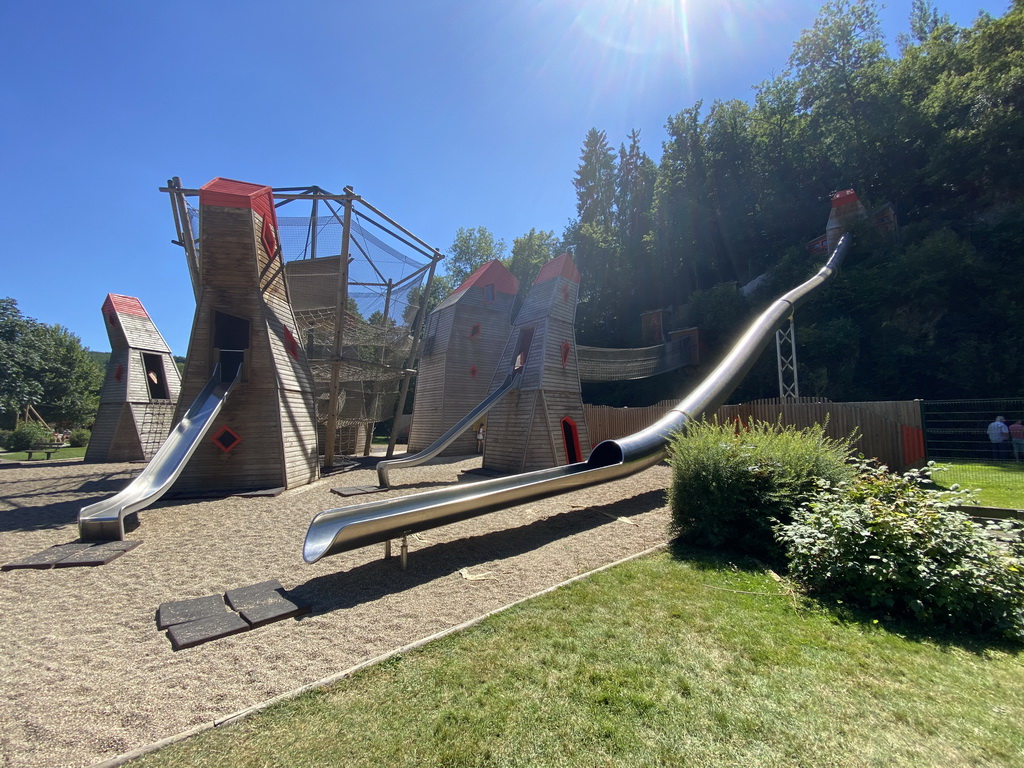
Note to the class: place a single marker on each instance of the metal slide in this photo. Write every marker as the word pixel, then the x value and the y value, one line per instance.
pixel 511 381
pixel 104 520
pixel 340 530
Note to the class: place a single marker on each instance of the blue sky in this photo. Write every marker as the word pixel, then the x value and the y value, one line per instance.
pixel 440 113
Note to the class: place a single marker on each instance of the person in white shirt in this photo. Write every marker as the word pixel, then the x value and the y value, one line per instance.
pixel 999 437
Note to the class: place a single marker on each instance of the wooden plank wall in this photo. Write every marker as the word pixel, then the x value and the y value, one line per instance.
pixel 879 423
pixel 467 353
pixel 427 407
pixel 271 409
pixel 295 388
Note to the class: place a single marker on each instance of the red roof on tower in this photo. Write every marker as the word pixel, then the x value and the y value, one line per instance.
pixel 126 305
pixel 563 266
pixel 493 272
pixel 229 193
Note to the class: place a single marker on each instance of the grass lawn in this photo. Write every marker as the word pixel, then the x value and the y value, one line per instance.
pixel 60 453
pixel 665 661
pixel 1001 484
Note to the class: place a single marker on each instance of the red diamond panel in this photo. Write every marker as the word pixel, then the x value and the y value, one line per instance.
pixel 226 439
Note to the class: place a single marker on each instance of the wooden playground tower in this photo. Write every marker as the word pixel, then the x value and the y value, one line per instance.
pixel 463 342
pixel 542 423
pixel 140 388
pixel 264 436
pixel 352 291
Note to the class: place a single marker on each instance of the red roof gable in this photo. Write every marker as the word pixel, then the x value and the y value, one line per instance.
pixel 493 272
pixel 127 305
pixel 844 197
pixel 563 266
pixel 229 193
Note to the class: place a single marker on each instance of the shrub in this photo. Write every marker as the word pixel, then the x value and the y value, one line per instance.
pixel 28 436
pixel 5 438
pixel 731 487
pixel 885 541
pixel 79 437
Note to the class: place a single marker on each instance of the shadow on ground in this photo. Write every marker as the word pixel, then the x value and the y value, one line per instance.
pixel 378 578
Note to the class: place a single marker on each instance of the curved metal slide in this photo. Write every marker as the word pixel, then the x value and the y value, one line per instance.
pixel 339 530
pixel 511 381
pixel 104 520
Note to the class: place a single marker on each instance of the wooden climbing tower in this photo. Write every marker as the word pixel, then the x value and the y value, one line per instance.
pixel 542 423
pixel 140 388
pixel 265 435
pixel 463 342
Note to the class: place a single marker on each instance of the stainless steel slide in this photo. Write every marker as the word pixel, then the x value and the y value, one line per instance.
pixel 511 381
pixel 347 528
pixel 104 520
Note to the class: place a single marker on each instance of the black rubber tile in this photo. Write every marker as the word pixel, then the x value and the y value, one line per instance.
pixel 124 546
pixel 272 607
pixel 243 597
pixel 47 557
pixel 271 492
pixel 195 609
pixel 357 490
pixel 97 554
pixel 203 630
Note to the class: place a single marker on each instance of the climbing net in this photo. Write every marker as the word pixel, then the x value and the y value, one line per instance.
pixel 384 285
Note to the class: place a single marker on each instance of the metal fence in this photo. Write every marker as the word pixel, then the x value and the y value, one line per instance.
pixel 956 432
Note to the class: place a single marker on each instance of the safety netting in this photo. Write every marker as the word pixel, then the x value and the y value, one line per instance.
pixel 386 272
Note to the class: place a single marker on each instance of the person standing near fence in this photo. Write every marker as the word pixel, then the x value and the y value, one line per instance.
pixel 999 437
pixel 1017 440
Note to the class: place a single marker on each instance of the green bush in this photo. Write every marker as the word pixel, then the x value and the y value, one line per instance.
pixel 29 436
pixel 79 438
pixel 731 487
pixel 5 438
pixel 888 542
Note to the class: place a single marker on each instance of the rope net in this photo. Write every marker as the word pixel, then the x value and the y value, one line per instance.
pixel 385 282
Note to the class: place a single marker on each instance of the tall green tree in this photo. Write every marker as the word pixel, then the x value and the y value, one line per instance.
pixel 595 180
pixel 46 367
pixel 594 240
pixel 70 378
pixel 925 19
pixel 20 358
pixel 531 252
pixel 840 65
pixel 641 281
pixel 471 249
pixel 686 225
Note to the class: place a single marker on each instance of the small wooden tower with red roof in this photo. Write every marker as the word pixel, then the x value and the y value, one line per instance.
pixel 140 388
pixel 265 434
pixel 542 424
pixel 463 341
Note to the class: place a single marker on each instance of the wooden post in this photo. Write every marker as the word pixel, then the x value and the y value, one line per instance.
pixel 183 225
pixel 375 385
pixel 313 227
pixel 339 334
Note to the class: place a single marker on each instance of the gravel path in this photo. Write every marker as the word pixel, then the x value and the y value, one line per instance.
pixel 87 676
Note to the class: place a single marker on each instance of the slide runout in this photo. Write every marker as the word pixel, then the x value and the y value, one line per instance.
pixel 346 528
pixel 511 381
pixel 104 520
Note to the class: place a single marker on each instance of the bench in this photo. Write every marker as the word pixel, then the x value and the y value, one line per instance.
pixel 47 448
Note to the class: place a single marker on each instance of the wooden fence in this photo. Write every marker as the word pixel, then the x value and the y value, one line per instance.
pixel 888 431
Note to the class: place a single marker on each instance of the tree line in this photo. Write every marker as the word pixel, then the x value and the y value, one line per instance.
pixel 46 368
pixel 935 128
